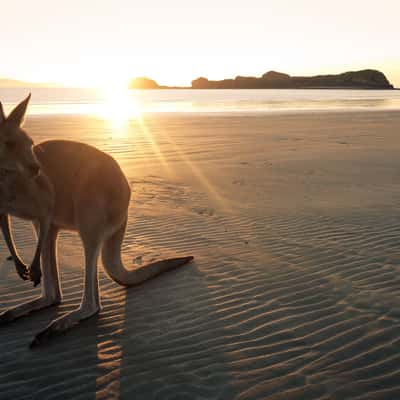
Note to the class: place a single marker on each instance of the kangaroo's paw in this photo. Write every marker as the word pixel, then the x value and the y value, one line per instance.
pixel 22 270
pixel 61 325
pixel 35 273
pixel 24 309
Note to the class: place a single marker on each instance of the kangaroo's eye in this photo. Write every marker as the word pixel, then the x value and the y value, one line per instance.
pixel 11 145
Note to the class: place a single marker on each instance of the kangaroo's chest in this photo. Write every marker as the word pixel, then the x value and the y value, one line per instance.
pixel 8 189
pixel 13 199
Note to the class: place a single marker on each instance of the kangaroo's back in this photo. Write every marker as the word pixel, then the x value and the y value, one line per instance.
pixel 82 176
pixel 64 159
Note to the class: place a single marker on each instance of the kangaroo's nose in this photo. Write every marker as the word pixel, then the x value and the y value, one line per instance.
pixel 34 170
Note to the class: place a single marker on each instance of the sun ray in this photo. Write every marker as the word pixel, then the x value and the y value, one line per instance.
pixel 121 106
pixel 153 143
pixel 199 174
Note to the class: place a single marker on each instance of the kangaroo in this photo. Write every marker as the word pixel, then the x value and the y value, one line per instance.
pixel 90 195
pixel 19 182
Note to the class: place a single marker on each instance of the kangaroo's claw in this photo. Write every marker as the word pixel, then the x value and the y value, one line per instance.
pixel 35 274
pixel 22 270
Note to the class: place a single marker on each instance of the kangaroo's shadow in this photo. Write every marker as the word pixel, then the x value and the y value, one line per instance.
pixel 155 340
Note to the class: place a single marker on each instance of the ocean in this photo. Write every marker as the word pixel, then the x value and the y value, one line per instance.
pixel 131 103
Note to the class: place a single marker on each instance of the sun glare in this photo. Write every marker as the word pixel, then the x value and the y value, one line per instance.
pixel 118 106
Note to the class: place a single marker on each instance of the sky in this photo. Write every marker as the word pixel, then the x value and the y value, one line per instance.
pixel 105 42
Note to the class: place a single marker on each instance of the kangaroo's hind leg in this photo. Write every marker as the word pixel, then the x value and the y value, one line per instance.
pixel 51 291
pixel 90 304
pixel 21 268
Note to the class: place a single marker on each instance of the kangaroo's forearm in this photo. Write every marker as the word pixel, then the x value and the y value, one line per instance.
pixel 35 271
pixel 19 264
pixel 6 229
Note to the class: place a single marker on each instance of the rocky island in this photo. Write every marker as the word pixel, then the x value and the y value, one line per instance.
pixel 365 79
pixel 143 82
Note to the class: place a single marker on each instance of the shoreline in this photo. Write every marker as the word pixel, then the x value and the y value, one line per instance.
pixel 239 113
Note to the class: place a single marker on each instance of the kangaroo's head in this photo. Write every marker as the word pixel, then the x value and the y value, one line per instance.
pixel 16 147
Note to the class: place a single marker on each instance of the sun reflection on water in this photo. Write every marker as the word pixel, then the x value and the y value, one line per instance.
pixel 118 107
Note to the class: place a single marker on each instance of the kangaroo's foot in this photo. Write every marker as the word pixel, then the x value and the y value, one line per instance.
pixel 26 308
pixel 35 273
pixel 22 269
pixel 63 324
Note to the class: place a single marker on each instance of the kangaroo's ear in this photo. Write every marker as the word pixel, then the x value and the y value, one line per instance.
pixel 2 116
pixel 17 115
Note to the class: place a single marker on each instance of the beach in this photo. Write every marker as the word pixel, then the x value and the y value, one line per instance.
pixel 294 293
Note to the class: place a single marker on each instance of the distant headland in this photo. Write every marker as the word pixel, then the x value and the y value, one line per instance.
pixel 13 83
pixel 364 79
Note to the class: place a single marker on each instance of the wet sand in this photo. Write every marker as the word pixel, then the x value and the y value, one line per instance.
pixel 295 290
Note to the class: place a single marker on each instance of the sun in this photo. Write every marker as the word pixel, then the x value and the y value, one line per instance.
pixel 118 105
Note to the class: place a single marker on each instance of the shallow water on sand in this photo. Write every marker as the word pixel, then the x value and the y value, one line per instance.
pixel 130 103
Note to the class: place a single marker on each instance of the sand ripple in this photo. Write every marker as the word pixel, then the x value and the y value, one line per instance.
pixel 301 304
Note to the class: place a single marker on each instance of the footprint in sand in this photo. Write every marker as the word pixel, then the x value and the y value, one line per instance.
pixel 240 182
pixel 204 211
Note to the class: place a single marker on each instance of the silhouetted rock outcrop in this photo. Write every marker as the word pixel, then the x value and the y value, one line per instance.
pixel 365 79
pixel 276 76
pixel 143 83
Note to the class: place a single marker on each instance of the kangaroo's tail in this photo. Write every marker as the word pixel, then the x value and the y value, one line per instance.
pixel 111 256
